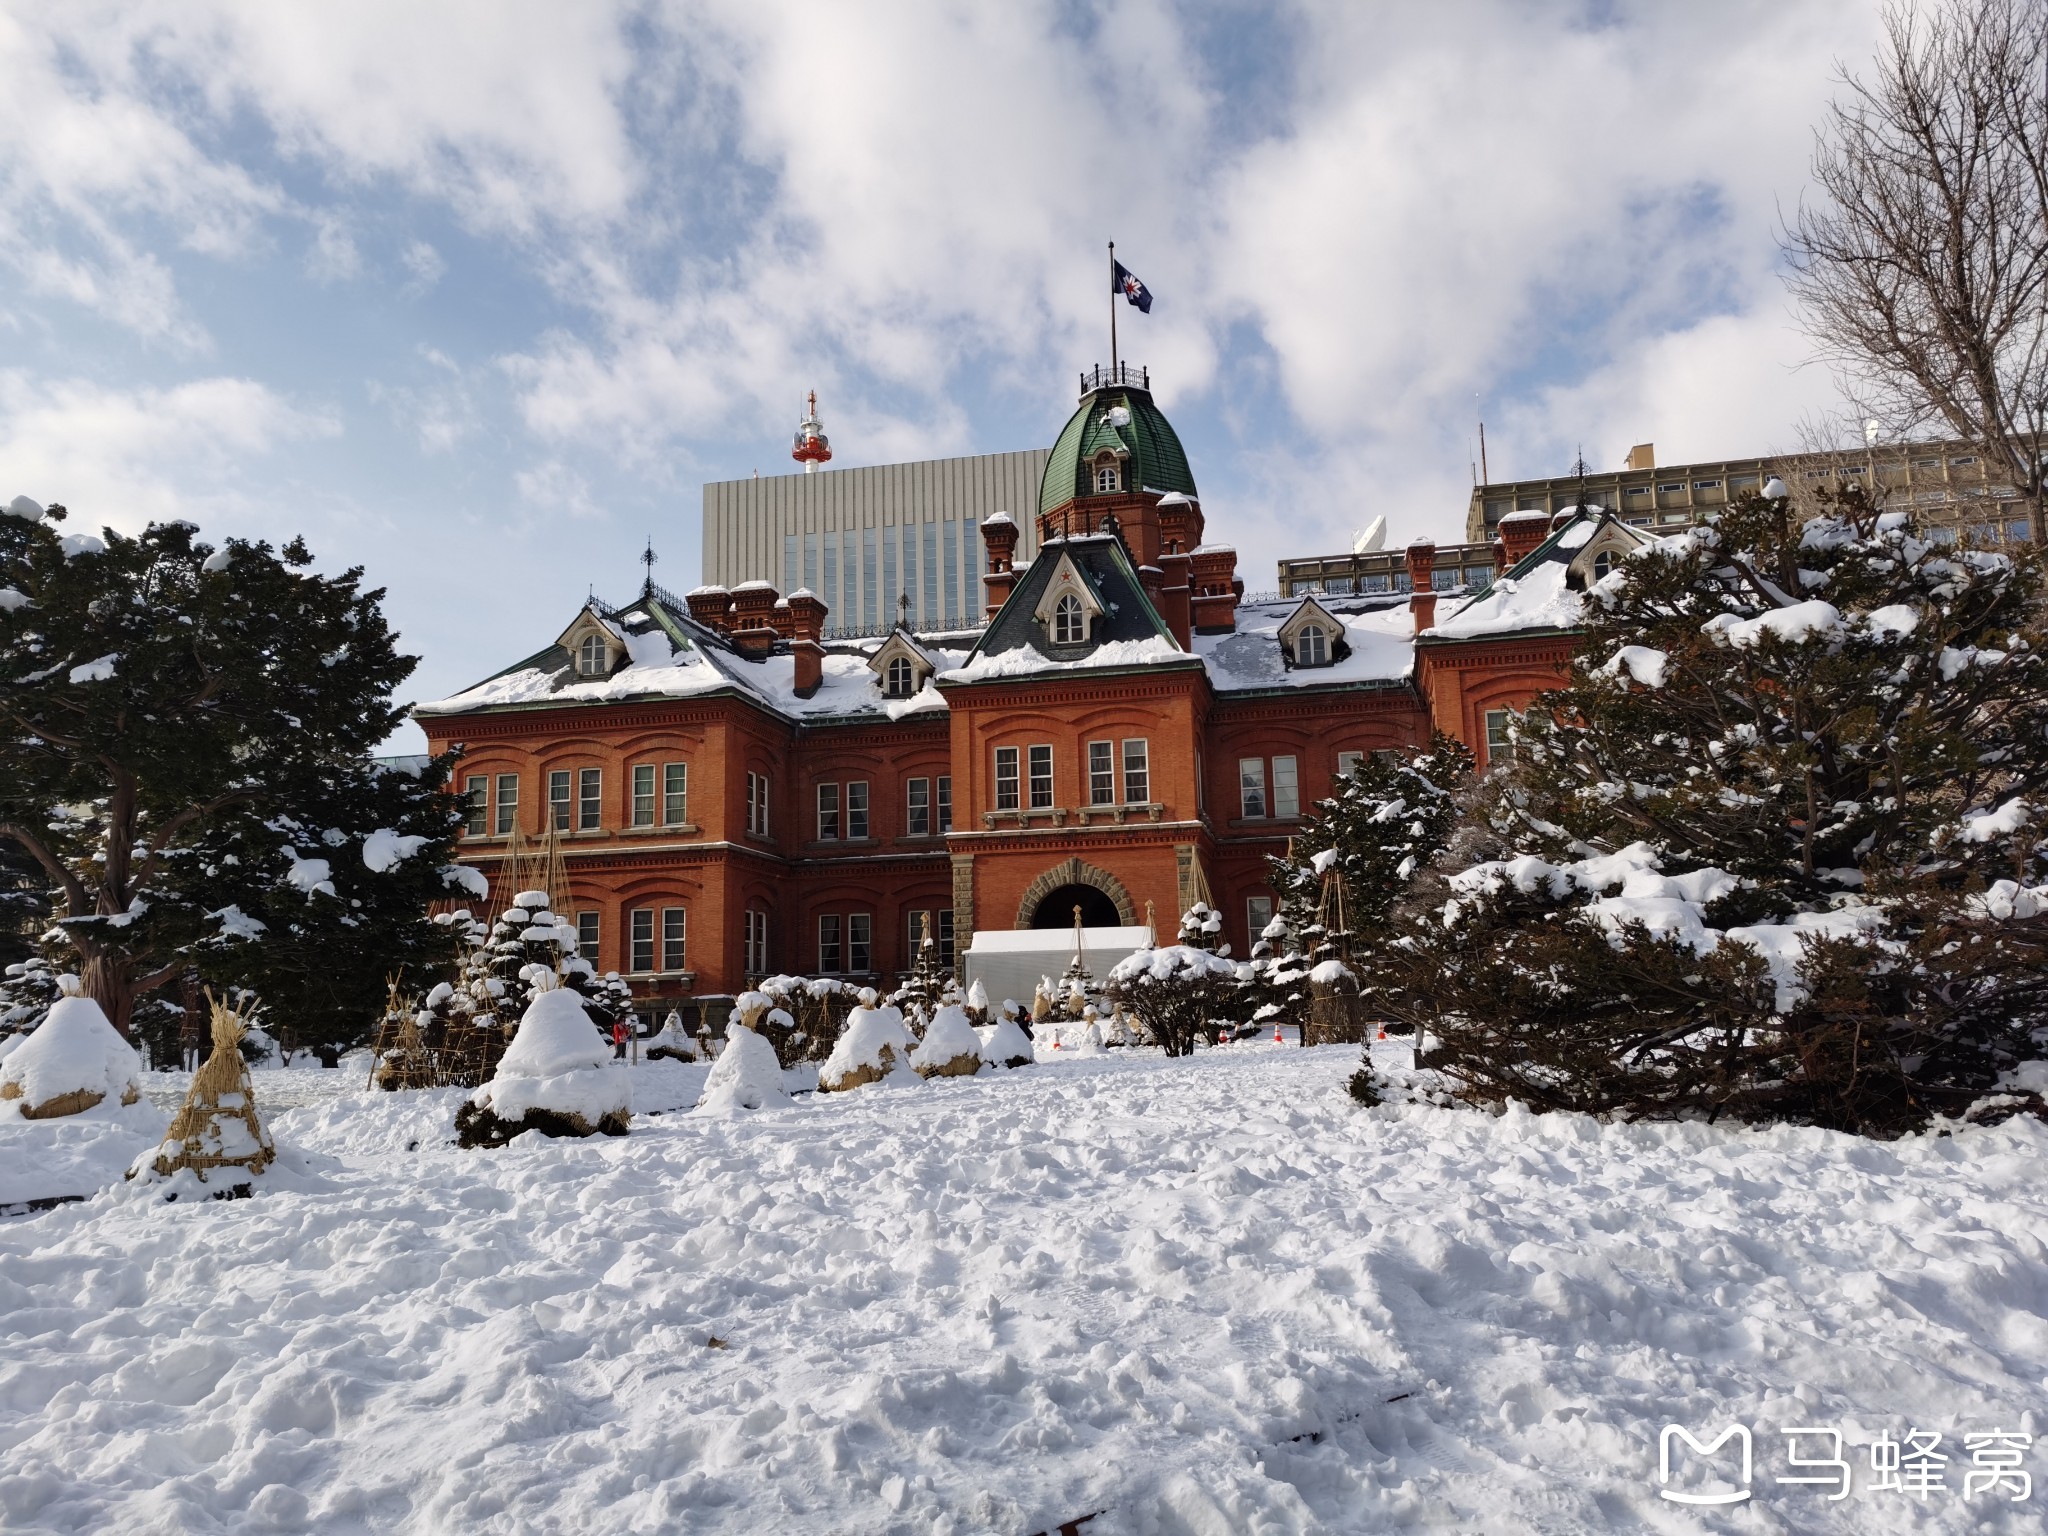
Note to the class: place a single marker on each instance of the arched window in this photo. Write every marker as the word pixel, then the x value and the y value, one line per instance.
pixel 1602 564
pixel 1069 625
pixel 1311 646
pixel 900 677
pixel 591 656
pixel 1106 477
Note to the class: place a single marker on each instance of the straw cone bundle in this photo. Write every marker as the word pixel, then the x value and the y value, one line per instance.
pixel 403 1059
pixel 217 1127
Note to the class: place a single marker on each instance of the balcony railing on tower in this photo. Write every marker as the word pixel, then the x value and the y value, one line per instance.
pixel 1116 375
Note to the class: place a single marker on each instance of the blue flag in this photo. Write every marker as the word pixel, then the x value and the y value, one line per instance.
pixel 1126 282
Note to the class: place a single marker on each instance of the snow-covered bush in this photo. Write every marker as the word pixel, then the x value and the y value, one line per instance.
pixel 557 1077
pixel 1004 1043
pixel 1172 992
pixel 1746 858
pixel 875 1047
pixel 672 1042
pixel 746 1074
pixel 950 1047
pixel 73 1061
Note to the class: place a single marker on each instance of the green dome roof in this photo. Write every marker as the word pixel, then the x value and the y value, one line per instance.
pixel 1156 463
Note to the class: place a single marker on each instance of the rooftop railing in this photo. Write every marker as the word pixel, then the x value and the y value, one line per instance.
pixel 1114 376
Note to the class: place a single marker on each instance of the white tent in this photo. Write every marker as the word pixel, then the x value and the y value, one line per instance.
pixel 1008 962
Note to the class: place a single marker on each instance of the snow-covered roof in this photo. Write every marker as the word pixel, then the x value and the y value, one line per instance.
pixel 1379 632
pixel 1535 594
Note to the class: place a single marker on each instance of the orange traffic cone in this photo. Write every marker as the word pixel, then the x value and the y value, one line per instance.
pixel 1276 1036
pixel 1383 1034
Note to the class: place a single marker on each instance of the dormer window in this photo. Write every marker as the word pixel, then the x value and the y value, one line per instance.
pixel 1107 478
pixel 1602 564
pixel 1311 646
pixel 592 658
pixel 902 679
pixel 1069 623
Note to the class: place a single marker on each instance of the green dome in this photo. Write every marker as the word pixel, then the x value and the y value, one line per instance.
pixel 1156 463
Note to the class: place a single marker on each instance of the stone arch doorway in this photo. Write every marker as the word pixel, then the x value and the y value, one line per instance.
pixel 1056 908
pixel 1052 899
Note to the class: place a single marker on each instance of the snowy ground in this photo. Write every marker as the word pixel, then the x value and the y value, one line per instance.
pixel 1206 1296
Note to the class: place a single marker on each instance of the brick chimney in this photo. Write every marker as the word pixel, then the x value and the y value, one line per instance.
pixel 1500 557
pixel 807 614
pixel 1216 589
pixel 1421 592
pixel 783 620
pixel 753 618
pixel 999 538
pixel 711 607
pixel 1520 533
pixel 1176 599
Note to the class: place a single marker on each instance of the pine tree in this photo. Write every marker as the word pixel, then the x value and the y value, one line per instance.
pixel 1773 851
pixel 162 704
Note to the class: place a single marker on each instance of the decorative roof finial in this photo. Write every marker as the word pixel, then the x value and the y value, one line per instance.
pixel 647 558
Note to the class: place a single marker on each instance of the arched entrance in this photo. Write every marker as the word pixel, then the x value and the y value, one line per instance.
pixel 1049 903
pixel 1056 908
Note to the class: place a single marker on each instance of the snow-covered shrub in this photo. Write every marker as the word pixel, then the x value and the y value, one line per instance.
pixel 1744 860
pixel 74 1060
pixel 1172 992
pixel 28 988
pixel 672 1042
pixel 746 1074
pixel 557 1077
pixel 874 1047
pixel 1004 1043
pixel 950 1047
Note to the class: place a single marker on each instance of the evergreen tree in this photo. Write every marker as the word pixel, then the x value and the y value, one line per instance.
pixel 184 726
pixel 1774 850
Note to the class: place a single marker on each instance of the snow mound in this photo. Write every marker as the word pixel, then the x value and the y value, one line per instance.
pixel 672 1041
pixel 745 1076
pixel 1004 1044
pixel 950 1047
pixel 74 1060
pixel 874 1047
pixel 557 1076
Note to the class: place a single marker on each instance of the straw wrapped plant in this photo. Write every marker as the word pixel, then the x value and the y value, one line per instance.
pixel 217 1127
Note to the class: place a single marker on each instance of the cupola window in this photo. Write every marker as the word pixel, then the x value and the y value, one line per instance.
pixel 1069 624
pixel 591 656
pixel 1108 476
pixel 901 678
pixel 1602 564
pixel 1311 646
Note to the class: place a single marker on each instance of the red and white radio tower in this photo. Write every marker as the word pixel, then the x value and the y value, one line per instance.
pixel 812 446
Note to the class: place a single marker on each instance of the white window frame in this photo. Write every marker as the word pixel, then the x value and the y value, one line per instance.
pixel 1252 801
pixel 645 801
pixel 828 813
pixel 1286 788
pixel 856 822
pixel 1101 773
pixel 589 932
pixel 755 942
pixel 476 793
pixel 589 799
pixel 675 794
pixel 1108 478
pixel 506 791
pixel 1009 779
pixel 1258 912
pixel 640 941
pixel 942 802
pixel 1499 743
pixel 1311 646
pixel 1346 761
pixel 832 949
pixel 561 799
pixel 1069 621
pixel 1040 794
pixel 917 807
pixel 1137 770
pixel 902 678
pixel 592 656
pixel 860 943
pixel 675 939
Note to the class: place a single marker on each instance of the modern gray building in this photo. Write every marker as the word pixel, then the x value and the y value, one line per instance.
pixel 862 538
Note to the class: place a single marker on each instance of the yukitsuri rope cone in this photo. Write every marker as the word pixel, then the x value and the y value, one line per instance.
pixel 403 1059
pixel 1336 1013
pixel 217 1128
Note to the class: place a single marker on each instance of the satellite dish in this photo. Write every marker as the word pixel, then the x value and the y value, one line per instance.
pixel 1374 537
pixel 1870 433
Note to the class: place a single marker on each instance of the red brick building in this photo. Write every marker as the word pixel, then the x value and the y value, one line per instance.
pixel 734 795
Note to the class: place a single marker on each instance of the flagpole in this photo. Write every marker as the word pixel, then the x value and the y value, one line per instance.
pixel 1112 312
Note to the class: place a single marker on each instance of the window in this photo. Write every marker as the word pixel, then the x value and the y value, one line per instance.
pixel 756 943
pixel 1101 773
pixel 641 952
pixel 857 809
pixel 946 936
pixel 1347 761
pixel 590 799
pixel 2019 531
pixel 587 936
pixel 757 804
pixel 591 657
pixel 1069 625
pixel 828 813
pixel 1446 578
pixel 1706 485
pixel 675 938
pixel 1006 778
pixel 643 794
pixel 1258 912
pixel 901 677
pixel 1041 778
pixel 675 794
pixel 1741 483
pixel 1311 646
pixel 558 800
pixel 1603 563
pixel 1671 486
pixel 1251 786
pixel 921 928
pixel 1372 582
pixel 939 925
pixel 1498 743
pixel 860 942
pixel 1105 477
pixel 917 820
pixel 508 802
pixel 1137 771
pixel 1968 458
pixel 477 795
pixel 1637 490
pixel 944 786
pixel 829 956
pixel 1286 788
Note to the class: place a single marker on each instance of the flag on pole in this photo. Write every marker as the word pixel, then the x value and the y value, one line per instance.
pixel 1126 282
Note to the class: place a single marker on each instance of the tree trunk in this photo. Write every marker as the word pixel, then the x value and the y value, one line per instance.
pixel 111 984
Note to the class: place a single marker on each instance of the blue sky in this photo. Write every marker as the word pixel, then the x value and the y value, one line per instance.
pixel 477 296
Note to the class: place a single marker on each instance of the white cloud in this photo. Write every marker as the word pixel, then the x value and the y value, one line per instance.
pixel 425 265
pixel 553 487
pixel 126 457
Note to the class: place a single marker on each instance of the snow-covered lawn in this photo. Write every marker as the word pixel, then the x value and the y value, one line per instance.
pixel 1203 1296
